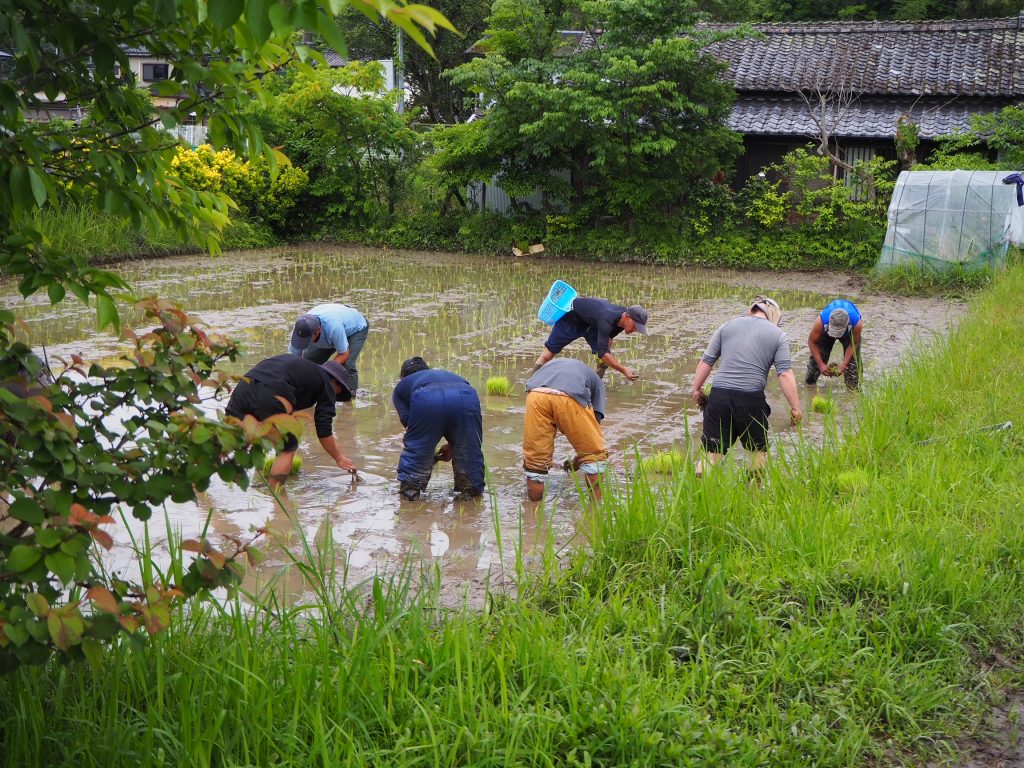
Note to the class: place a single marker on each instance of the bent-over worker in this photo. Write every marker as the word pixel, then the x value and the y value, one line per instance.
pixel 303 384
pixel 432 404
pixel 564 396
pixel 599 322
pixel 839 320
pixel 746 348
pixel 331 329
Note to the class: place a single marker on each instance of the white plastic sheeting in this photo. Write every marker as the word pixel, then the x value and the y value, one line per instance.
pixel 938 219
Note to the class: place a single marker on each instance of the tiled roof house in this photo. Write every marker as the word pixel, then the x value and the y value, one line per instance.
pixel 938 72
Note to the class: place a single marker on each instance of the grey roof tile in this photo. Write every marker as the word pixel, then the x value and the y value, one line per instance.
pixel 867 118
pixel 976 57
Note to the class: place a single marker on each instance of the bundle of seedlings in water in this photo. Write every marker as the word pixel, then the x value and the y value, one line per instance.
pixel 499 385
pixel 703 396
pixel 662 463
pixel 268 462
pixel 833 369
pixel 823 404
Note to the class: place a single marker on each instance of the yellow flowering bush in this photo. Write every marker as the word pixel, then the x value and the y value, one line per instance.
pixel 259 195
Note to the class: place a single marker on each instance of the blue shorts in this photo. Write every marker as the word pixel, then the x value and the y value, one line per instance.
pixel 566 330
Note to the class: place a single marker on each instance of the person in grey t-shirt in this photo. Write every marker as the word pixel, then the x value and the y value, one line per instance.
pixel 564 396
pixel 745 348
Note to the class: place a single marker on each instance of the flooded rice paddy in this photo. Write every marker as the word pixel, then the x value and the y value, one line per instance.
pixel 477 317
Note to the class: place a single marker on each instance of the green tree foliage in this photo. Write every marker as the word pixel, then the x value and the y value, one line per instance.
pixel 998 135
pixel 826 10
pixel 637 118
pixel 128 436
pixel 350 141
pixel 434 96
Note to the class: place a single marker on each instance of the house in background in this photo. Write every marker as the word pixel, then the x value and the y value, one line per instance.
pixel 850 83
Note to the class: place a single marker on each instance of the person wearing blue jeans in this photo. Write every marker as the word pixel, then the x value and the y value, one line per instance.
pixel 432 404
pixel 331 329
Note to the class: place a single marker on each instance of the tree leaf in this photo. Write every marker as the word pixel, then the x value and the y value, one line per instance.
pixel 27 510
pixel 62 565
pixel 257 16
pixel 38 604
pixel 23 557
pixel 103 599
pixel 106 312
pixel 224 13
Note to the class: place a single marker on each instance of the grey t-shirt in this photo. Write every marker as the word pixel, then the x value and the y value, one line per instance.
pixel 578 380
pixel 747 347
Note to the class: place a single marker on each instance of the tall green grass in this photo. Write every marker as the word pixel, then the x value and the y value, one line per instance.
pixel 808 621
pixel 103 238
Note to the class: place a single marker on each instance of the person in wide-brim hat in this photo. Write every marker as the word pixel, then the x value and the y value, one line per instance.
pixel 285 384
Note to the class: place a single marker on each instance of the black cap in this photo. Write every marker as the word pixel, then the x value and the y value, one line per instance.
pixel 303 330
pixel 413 365
pixel 337 372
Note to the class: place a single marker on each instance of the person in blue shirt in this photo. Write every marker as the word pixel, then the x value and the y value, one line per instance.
pixel 432 404
pixel 840 321
pixel 331 329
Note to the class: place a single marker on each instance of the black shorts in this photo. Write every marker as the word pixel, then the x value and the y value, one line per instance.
pixel 732 414
pixel 258 400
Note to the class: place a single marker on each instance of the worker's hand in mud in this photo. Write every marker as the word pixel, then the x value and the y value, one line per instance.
pixel 795 416
pixel 445 453
pixel 346 463
pixel 630 374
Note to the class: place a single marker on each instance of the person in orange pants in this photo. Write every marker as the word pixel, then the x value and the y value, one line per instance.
pixel 564 396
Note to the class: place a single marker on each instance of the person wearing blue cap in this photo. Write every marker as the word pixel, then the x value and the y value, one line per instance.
pixel 840 321
pixel 431 404
pixel 598 321
pixel 331 329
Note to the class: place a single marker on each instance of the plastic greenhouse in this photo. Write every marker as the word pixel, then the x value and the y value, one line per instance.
pixel 939 219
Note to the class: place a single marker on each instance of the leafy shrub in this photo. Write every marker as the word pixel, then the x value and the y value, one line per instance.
pixel 261 195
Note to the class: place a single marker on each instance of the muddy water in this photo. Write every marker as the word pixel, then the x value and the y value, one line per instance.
pixel 477 317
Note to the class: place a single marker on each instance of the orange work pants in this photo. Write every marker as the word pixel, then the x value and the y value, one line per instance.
pixel 547 414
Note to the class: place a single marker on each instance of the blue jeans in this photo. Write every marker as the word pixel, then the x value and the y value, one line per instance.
pixel 321 355
pixel 451 411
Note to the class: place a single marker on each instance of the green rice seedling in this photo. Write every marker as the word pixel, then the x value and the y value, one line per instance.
pixel 269 461
pixel 824 405
pixel 853 480
pixel 662 463
pixel 499 386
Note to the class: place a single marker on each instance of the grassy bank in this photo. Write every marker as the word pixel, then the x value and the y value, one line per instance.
pixel 815 621
pixel 104 239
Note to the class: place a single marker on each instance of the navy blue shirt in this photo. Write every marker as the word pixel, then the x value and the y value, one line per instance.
pixel 302 383
pixel 601 319
pixel 402 396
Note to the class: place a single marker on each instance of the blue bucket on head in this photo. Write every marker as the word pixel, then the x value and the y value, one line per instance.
pixel 557 303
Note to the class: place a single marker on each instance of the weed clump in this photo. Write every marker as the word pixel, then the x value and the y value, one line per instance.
pixel 823 404
pixel 499 385
pixel 269 461
pixel 662 463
